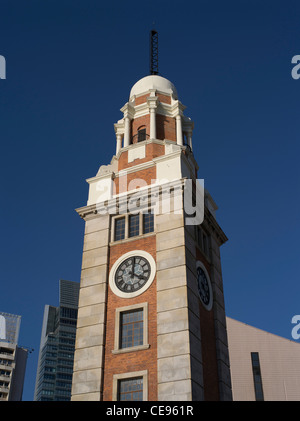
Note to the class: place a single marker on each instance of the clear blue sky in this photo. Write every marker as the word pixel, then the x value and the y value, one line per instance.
pixel 70 68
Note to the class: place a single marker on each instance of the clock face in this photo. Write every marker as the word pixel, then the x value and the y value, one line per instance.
pixel 132 274
pixel 204 287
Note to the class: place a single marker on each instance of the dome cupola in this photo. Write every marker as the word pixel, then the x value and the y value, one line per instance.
pixel 153 82
pixel 153 112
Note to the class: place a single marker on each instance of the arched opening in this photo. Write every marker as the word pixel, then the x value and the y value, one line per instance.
pixel 141 135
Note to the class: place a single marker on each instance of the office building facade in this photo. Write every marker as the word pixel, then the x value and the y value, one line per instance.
pixel 13 359
pixel 56 354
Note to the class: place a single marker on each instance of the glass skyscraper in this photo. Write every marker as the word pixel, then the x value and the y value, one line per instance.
pixel 56 355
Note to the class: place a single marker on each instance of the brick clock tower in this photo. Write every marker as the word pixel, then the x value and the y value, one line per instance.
pixel 151 319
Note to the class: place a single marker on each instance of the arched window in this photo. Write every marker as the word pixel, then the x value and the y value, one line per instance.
pixel 141 134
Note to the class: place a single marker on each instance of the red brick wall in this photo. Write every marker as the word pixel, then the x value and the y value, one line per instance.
pixel 165 127
pixel 146 176
pixel 141 99
pixel 123 160
pixel 164 98
pixel 208 344
pixel 139 360
pixel 153 150
pixel 161 97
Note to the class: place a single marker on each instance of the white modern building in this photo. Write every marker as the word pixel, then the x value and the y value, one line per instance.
pixel 263 366
pixel 13 359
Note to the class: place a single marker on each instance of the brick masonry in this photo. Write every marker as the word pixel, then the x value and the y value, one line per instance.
pixel 138 360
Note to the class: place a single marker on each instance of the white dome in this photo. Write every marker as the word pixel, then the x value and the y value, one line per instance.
pixel 153 82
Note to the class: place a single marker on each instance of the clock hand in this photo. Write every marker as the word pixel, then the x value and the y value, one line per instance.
pixel 132 268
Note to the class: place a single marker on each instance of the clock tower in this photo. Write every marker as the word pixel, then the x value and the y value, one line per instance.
pixel 151 318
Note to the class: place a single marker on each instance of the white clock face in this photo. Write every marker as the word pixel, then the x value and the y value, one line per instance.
pixel 204 286
pixel 132 274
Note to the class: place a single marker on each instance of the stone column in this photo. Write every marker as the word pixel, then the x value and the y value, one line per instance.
pixel 189 139
pixel 179 130
pixel 119 143
pixel 127 131
pixel 119 131
pixel 152 103
pixel 152 123
pixel 128 111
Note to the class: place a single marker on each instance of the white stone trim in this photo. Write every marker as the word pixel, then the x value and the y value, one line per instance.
pixel 112 273
pixel 138 152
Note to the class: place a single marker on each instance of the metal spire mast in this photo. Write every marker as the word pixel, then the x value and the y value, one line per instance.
pixel 153 52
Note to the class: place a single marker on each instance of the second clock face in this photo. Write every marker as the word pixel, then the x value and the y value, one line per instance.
pixel 132 274
pixel 204 286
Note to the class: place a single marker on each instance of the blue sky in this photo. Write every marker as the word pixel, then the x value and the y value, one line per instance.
pixel 70 68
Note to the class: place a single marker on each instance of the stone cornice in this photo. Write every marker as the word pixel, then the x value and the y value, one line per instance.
pixel 145 142
pixel 128 110
pixel 149 191
pixel 92 211
pixel 134 111
pixel 110 171
pixel 214 227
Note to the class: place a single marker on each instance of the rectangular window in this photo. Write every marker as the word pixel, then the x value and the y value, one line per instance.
pixel 134 225
pixel 119 229
pixel 259 395
pixel 131 328
pixel 203 241
pixel 130 389
pixel 148 222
